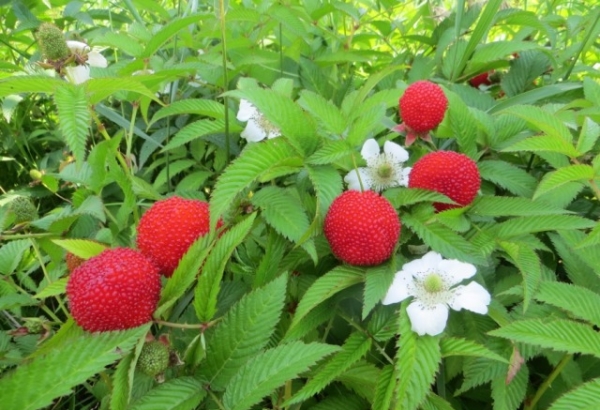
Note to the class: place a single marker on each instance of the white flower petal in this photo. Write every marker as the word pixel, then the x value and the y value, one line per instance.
pixel 400 289
pixel 253 132
pixel 247 110
pixel 370 151
pixel 96 59
pixel 405 176
pixel 396 151
pixel 427 321
pixel 78 47
pixel 456 271
pixel 473 297
pixel 352 179
pixel 419 268
pixel 78 74
pixel 273 133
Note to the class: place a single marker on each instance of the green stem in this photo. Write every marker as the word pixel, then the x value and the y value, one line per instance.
pixel 27 236
pixel 180 325
pixel 355 165
pixel 130 136
pixel 540 392
pixel 215 399
pixel 222 12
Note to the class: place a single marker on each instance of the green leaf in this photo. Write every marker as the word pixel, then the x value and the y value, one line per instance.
pixel 453 346
pixel 165 33
pixel 244 331
pixel 536 95
pixel 498 50
pixel 328 115
pixel 326 286
pixel 385 388
pixel 590 131
pixel 416 364
pixel 362 378
pixel 196 130
pixel 36 384
pixel 531 224
pixel 409 196
pixel 254 161
pixel 584 397
pixel 283 211
pixel 512 206
pixel 330 152
pixel 209 282
pixel 186 272
pixel 11 254
pixel 443 240
pixel 29 84
pixel 354 348
pixel 101 88
pixel 544 143
pixel 58 287
pixel 327 183
pixel 558 334
pixel 271 369
pixel 377 282
pixel 543 121
pixel 577 300
pixel 462 123
pixel 183 393
pixel 528 263
pixel 509 396
pixel 198 106
pixel 508 176
pixel 74 118
pixel 556 179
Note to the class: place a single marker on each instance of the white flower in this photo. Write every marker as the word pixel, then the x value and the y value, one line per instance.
pixel 91 58
pixel 257 127
pixel 430 282
pixel 383 170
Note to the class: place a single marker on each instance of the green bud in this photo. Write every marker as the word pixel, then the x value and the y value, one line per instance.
pixel 154 358
pixel 52 42
pixel 24 209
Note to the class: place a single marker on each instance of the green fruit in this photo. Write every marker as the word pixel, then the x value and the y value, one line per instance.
pixel 154 358
pixel 52 42
pixel 24 209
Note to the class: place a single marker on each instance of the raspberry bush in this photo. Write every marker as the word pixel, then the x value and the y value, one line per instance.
pixel 369 205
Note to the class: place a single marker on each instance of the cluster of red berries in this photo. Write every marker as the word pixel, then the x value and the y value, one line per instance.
pixel 120 288
pixel 363 228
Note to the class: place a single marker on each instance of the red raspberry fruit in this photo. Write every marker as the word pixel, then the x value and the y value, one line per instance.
pixel 422 108
pixel 117 289
pixel 168 229
pixel 481 79
pixel 362 228
pixel 450 173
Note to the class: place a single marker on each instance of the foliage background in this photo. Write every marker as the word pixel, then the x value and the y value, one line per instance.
pixel 273 320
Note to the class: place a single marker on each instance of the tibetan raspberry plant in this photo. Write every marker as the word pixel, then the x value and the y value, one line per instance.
pixel 319 205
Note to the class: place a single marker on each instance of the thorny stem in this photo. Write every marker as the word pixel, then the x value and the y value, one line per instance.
pixel 540 392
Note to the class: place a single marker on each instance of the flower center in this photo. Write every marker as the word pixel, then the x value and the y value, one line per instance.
pixel 433 283
pixel 385 170
pixel 265 124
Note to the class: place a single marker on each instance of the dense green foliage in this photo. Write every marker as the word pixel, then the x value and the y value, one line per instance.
pixel 261 314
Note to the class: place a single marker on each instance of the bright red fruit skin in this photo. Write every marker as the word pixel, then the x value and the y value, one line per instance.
pixel 423 106
pixel 117 289
pixel 362 228
pixel 483 78
pixel 169 227
pixel 450 173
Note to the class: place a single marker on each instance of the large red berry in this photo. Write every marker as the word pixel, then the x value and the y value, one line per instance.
pixel 450 173
pixel 362 228
pixel 169 227
pixel 117 289
pixel 423 106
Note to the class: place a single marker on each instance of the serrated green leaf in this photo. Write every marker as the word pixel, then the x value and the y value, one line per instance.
pixel 509 396
pixel 590 131
pixel 556 179
pixel 584 397
pixel 283 211
pixel 416 364
pixel 330 152
pixel 328 115
pixel 578 271
pixel 327 183
pixel 74 118
pixel 101 88
pixel 512 206
pixel 409 196
pixel 362 378
pixel 29 84
pixel 462 123
pixel 81 247
pixel 198 106
pixel 544 143
pixel 255 160
pixel 325 287
pixel 542 120
pixel 317 316
pixel 195 130
pixel 377 282
pixel 577 300
pixel 508 176
pixel 435 402
pixel 58 287
pixel 186 272
pixel 557 334
pixel 354 348
pixel 385 388
pixel 209 282
pixel 531 224
pixel 453 346
pixel 528 263
pixel 244 331
pixel 36 384
pixel 271 369
pixel 166 32
pixel 497 50
pixel 444 240
pixel 183 393
pixel 11 254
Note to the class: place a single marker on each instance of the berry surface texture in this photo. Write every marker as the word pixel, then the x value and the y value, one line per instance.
pixel 423 106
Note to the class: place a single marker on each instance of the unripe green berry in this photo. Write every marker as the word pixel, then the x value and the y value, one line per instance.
pixel 154 358
pixel 52 42
pixel 24 209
